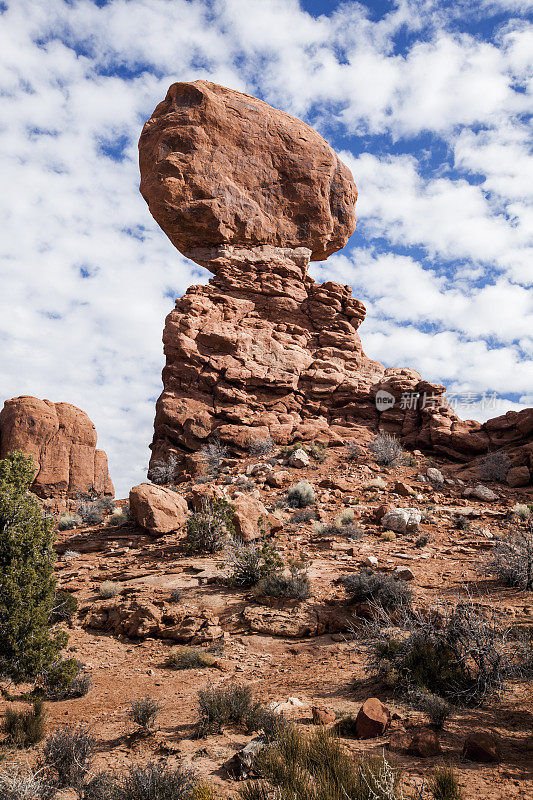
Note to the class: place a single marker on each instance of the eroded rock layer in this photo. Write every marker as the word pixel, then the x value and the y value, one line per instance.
pixel 62 440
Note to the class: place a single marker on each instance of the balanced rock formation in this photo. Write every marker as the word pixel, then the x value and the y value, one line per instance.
pixel 219 167
pixel 62 440
pixel 253 195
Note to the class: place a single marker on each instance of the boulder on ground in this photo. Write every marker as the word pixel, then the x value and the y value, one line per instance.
pixel 299 459
pixel 482 746
pixel 157 509
pixel 372 719
pixel 250 518
pixel 424 743
pixel 518 476
pixel 401 520
pixel 322 716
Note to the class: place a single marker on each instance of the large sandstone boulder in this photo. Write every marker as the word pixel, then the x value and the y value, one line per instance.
pixel 62 440
pixel 372 719
pixel 157 509
pixel 220 167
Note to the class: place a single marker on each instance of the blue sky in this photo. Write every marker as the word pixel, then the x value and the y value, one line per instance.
pixel 428 102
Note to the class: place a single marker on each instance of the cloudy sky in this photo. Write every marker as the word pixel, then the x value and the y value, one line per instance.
pixel 428 102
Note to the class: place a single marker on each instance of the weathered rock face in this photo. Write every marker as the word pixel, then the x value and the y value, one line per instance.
pixel 223 168
pixel 263 350
pixel 62 440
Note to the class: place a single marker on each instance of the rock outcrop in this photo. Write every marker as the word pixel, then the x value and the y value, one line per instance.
pixel 263 350
pixel 62 440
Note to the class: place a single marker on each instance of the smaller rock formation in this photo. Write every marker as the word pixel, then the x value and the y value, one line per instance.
pixel 482 746
pixel 372 719
pixel 62 440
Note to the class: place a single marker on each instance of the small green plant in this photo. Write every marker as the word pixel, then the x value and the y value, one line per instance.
pixel 230 705
pixel 68 521
pixel 318 451
pixel 109 589
pixel 386 449
pixel 25 728
pixel 208 528
pixel 436 708
pixel 301 495
pixel 444 785
pixel 184 656
pixel 144 712
pixel 64 680
pixel 383 590
pixel 305 767
pixel 250 563
pixel 65 607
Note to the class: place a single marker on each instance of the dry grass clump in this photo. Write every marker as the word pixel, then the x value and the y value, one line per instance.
pixel 261 446
pixel 163 472
pixel 25 728
pixel 213 454
pixel 68 521
pixel 184 656
pixel 120 515
pixel 109 589
pixel 521 510
pixel 67 756
pixel 444 785
pixel 233 704
pixel 297 766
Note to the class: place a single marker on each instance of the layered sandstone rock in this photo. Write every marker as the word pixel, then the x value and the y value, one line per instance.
pixel 62 440
pixel 221 167
pixel 263 350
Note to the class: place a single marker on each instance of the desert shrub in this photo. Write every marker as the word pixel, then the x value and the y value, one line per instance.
pixel 66 679
pixel 120 515
pixel 301 495
pixel 229 705
pixel 25 728
pixel 375 587
pixel 27 584
pixel 207 529
pixel 213 454
pixel 461 522
pixel 261 447
pixel 156 782
pixel 67 755
pixel 300 767
pixel 521 510
pixel 92 512
pixel 386 449
pixel 342 525
pixel 512 561
pixel 436 708
pixel 68 521
pixel 109 589
pixel 176 596
pixel 422 540
pixel 144 712
pixel 163 472
pixel 494 466
pixel 303 515
pixel 184 656
pixel 16 785
pixel 353 450
pixel 444 785
pixel 295 586
pixel 318 451
pixel 249 562
pixel 65 606
pixel 458 653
